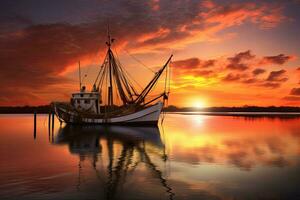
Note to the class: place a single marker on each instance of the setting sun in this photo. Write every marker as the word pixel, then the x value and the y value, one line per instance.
pixel 198 103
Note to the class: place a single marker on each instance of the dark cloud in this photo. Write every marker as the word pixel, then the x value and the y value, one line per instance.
pixel 232 77
pixel 237 66
pixel 278 60
pixel 295 91
pixel 36 56
pixel 275 79
pixel 270 85
pixel 236 62
pixel 203 72
pixel 194 67
pixel 190 63
pixel 208 63
pixel 292 98
pixel 277 76
pixel 258 71
pixel 246 55
pixel 250 81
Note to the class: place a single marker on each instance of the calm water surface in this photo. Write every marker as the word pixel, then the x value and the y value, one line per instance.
pixel 190 157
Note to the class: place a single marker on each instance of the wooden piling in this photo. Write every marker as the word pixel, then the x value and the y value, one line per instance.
pixel 52 121
pixel 52 134
pixel 49 120
pixel 34 125
pixel 49 124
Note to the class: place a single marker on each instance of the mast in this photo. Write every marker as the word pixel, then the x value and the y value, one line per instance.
pixel 110 88
pixel 112 76
pixel 79 75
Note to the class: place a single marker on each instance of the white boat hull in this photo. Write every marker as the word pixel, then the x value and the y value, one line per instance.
pixel 149 115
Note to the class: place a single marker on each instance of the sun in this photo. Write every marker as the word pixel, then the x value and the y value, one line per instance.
pixel 197 103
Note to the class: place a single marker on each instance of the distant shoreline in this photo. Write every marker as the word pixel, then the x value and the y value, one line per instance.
pixel 224 111
pixel 245 114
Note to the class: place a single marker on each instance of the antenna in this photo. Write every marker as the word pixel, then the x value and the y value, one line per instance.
pixel 79 75
pixel 109 39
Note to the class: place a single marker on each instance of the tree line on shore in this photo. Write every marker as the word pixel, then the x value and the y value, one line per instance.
pixel 47 108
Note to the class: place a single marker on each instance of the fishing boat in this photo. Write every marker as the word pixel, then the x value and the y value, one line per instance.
pixel 113 98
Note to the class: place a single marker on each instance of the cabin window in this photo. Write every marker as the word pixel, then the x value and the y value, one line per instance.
pixel 87 101
pixel 81 95
pixel 78 101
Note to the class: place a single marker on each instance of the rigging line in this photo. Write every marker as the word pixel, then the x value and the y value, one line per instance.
pixel 117 79
pixel 150 85
pixel 128 77
pixel 152 88
pixel 170 74
pixel 126 82
pixel 128 74
pixel 93 60
pixel 105 94
pixel 101 81
pixel 119 82
pixel 118 94
pixel 122 80
pixel 137 60
pixel 103 64
pixel 166 101
pixel 86 72
pixel 166 78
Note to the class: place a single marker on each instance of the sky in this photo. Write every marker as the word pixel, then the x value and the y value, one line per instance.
pixel 226 53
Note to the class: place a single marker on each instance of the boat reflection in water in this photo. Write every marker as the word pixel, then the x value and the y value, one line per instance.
pixel 122 150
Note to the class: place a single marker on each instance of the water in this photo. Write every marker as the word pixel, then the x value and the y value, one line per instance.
pixel 190 157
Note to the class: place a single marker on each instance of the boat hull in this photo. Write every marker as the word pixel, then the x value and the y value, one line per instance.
pixel 147 116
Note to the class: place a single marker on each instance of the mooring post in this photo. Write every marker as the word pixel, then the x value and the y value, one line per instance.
pixel 49 124
pixel 49 120
pixel 34 125
pixel 52 121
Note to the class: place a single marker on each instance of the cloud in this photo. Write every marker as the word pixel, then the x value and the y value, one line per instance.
pixel 190 63
pixel 295 91
pixel 208 63
pixel 274 79
pixel 193 67
pixel 241 62
pixel 291 98
pixel 270 85
pixel 250 81
pixel 35 58
pixel 258 71
pixel 44 47
pixel 203 72
pixel 237 66
pixel 246 55
pixel 278 59
pixel 277 76
pixel 236 62
pixel 231 77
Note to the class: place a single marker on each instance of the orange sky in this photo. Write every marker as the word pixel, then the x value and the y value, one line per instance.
pixel 231 53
